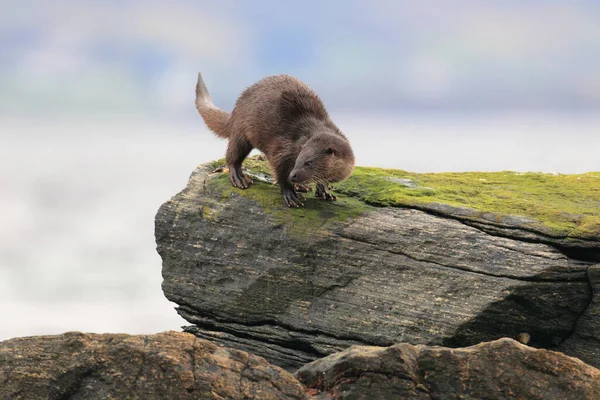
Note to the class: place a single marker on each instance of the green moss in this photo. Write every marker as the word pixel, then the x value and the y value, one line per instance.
pixel 209 213
pixel 567 205
pixel 316 214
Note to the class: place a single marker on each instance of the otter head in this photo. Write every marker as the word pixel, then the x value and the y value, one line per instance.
pixel 323 158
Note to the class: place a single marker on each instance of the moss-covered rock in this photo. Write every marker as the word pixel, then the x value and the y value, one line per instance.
pixel 296 284
pixel 315 215
pixel 566 205
pixel 556 205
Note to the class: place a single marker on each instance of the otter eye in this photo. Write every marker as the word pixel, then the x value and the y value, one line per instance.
pixel 330 151
pixel 307 164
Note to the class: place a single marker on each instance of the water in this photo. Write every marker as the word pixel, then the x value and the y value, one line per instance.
pixel 78 199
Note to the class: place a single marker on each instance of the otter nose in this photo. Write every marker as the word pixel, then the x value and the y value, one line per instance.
pixel 293 176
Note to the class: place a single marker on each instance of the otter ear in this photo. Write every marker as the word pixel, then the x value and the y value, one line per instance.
pixel 330 151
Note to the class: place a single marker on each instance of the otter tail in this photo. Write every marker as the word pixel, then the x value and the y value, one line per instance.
pixel 214 117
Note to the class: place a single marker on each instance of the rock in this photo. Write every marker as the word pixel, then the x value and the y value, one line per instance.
pixel 502 369
pixel 174 365
pixel 168 365
pixel 297 285
pixel 561 210
pixel 584 342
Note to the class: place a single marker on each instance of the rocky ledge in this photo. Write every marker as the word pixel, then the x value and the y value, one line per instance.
pixel 503 369
pixel 170 365
pixel 175 366
pixel 432 259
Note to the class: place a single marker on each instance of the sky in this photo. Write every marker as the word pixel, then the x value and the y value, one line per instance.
pixel 139 58
pixel 98 125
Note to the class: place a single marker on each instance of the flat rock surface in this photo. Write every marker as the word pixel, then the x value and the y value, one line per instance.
pixel 168 365
pixel 502 369
pixel 296 285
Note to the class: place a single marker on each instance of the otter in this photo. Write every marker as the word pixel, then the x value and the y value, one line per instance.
pixel 282 117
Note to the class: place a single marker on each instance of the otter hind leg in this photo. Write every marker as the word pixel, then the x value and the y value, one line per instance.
pixel 322 193
pixel 237 150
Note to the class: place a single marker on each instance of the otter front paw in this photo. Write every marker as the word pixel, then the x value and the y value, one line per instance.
pixel 292 198
pixel 322 193
pixel 326 196
pixel 238 179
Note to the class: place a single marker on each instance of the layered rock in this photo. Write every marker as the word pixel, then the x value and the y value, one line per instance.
pixel 503 369
pixel 297 285
pixel 168 365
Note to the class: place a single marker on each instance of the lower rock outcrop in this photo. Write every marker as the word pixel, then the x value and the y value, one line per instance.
pixel 175 366
pixel 167 365
pixel 502 369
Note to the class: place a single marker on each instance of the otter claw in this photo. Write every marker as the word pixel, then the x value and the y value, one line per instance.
pixel 302 188
pixel 322 193
pixel 293 199
pixel 238 179
pixel 328 197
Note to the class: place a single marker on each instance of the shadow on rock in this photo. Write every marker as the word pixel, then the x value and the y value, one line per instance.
pixel 546 311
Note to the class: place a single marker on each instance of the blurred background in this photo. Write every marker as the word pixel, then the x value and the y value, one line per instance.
pixel 98 125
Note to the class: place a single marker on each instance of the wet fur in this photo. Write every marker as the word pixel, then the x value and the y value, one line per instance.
pixel 286 120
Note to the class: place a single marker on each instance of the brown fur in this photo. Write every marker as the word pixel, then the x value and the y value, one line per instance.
pixel 287 121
